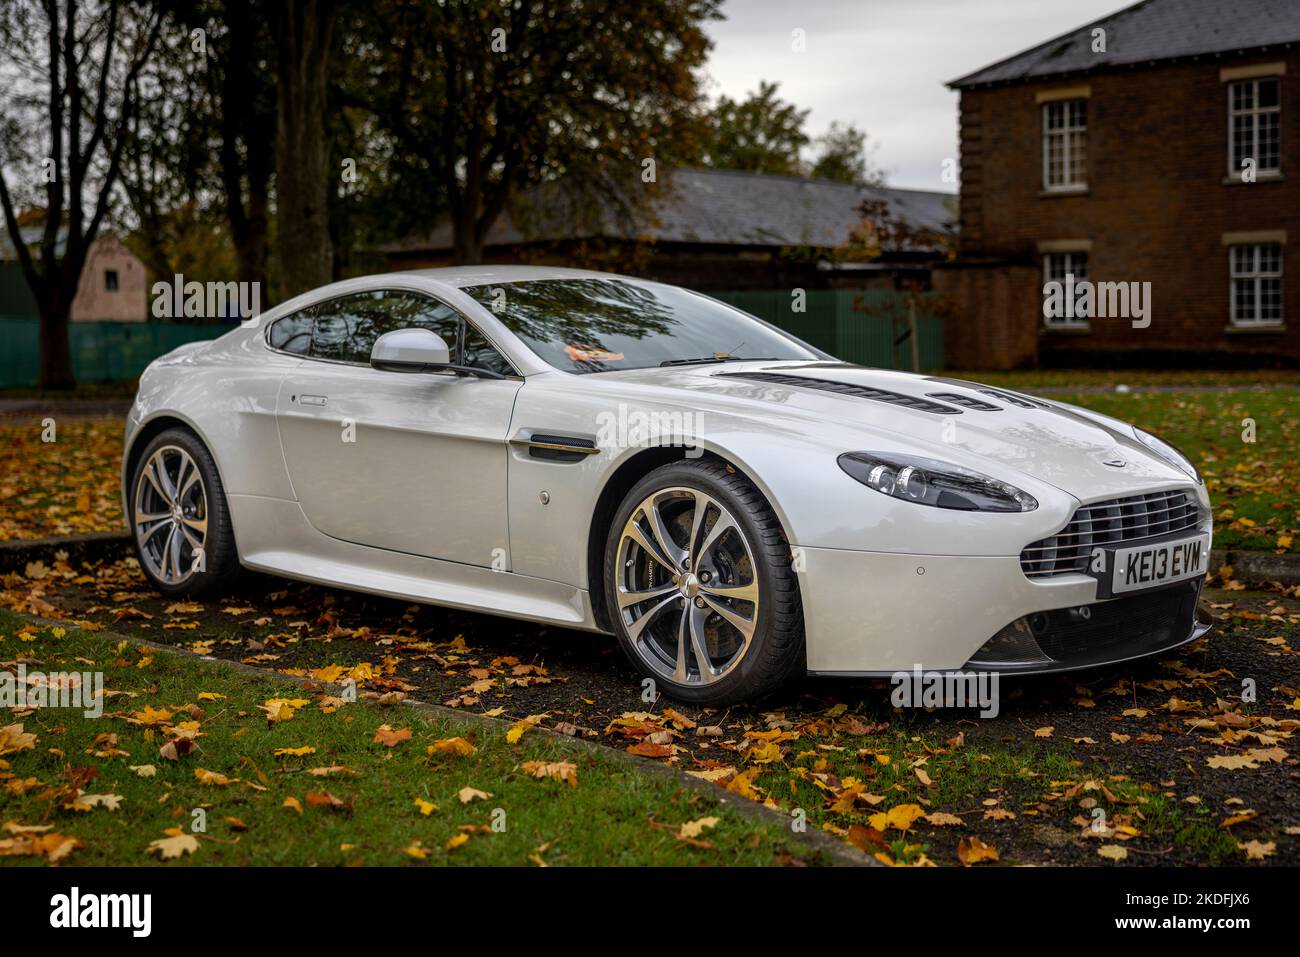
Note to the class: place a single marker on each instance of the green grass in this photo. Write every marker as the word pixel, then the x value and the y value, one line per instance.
pixel 615 815
pixel 998 790
pixel 1075 378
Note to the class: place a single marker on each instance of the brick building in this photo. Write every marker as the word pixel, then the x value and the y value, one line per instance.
pixel 1159 144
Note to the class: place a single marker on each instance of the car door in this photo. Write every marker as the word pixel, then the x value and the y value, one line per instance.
pixel 410 462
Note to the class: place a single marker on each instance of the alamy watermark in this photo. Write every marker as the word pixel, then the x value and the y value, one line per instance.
pixel 633 428
pixel 1079 300
pixel 180 299
pixel 57 689
pixel 946 689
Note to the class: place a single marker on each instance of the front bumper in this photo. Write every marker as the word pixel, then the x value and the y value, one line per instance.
pixel 877 613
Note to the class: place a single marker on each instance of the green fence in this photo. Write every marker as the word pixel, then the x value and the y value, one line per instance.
pixel 869 327
pixel 101 351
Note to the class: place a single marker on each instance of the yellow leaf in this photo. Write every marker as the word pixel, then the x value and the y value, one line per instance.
pixel 391 737
pixel 210 696
pixel 559 770
pixel 1232 762
pixel 1044 732
pixel 974 851
pixel 696 827
pixel 519 727
pixel 14 739
pixel 901 816
pixel 457 841
pixel 467 794
pixel 204 776
pixel 943 819
pixel 294 752
pixel 292 803
pixel 170 848
pixel 454 746
pixel 416 850
pixel 426 807
pixel 1258 850
pixel 1112 852
pixel 282 709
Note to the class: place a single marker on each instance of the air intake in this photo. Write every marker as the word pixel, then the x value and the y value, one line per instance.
pixel 844 388
pixel 1014 399
pixel 968 401
pixel 1117 521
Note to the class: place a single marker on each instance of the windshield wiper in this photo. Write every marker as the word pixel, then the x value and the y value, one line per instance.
pixel 683 362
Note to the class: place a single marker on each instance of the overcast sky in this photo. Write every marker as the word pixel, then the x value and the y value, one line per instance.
pixel 882 64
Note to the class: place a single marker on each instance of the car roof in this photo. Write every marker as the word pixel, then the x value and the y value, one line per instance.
pixel 463 276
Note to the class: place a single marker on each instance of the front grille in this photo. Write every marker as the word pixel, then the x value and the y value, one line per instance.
pixel 1093 634
pixel 1115 522
pixel 846 388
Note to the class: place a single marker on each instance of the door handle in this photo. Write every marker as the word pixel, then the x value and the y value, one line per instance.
pixel 311 399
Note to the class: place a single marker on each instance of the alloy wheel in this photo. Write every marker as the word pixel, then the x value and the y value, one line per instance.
pixel 171 515
pixel 687 586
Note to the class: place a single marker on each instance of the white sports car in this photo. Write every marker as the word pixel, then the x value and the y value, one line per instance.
pixel 605 453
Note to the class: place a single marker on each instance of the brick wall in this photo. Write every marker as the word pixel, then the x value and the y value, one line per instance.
pixel 1155 210
pixel 983 307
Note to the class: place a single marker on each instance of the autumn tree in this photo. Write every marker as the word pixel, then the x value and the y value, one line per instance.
pixel 842 156
pixel 496 98
pixel 759 134
pixel 70 72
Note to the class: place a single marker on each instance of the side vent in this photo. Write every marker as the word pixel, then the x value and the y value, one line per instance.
pixel 968 401
pixel 845 388
pixel 553 447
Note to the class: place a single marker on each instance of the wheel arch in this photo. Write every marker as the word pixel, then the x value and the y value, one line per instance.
pixel 620 481
pixel 153 426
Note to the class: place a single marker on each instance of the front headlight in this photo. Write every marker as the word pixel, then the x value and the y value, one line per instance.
pixel 929 482
pixel 1164 450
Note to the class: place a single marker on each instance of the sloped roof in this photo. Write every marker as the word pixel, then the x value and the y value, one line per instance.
pixel 726 207
pixel 1149 31
pixel 30 235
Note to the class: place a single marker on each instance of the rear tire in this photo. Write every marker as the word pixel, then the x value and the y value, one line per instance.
pixel 179 518
pixel 699 585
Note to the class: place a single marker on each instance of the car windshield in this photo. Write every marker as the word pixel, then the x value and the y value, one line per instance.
pixel 597 324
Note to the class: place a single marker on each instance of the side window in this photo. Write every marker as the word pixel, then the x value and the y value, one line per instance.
pixel 480 354
pixel 346 328
pixel 292 333
pixel 436 317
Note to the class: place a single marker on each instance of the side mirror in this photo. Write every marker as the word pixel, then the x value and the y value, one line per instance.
pixel 409 350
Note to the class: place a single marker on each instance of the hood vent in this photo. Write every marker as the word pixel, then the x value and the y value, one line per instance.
pixel 968 401
pixel 845 388
pixel 1014 399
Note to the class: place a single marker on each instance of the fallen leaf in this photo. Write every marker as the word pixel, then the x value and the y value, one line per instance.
pixel 177 845
pixel 974 851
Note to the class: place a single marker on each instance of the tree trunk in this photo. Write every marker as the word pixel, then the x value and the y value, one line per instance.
pixel 466 249
pixel 56 346
pixel 303 179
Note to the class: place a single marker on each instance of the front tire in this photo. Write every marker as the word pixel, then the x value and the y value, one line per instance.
pixel 179 517
pixel 699 585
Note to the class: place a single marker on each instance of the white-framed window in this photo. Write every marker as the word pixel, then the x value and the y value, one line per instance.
pixel 1256 271
pixel 1255 125
pixel 1068 269
pixel 1065 145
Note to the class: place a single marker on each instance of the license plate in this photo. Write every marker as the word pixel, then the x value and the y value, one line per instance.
pixel 1146 566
